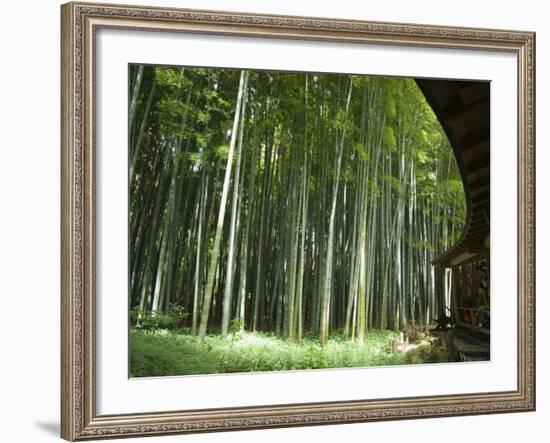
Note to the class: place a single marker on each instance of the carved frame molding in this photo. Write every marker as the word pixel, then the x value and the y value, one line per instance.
pixel 79 23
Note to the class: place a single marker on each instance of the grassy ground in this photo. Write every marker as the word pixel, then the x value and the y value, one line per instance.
pixel 162 353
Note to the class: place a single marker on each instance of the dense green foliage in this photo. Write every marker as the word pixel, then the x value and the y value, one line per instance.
pixel 289 203
pixel 169 353
pixel 172 318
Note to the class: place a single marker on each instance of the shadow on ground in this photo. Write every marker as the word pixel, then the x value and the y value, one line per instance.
pixel 50 427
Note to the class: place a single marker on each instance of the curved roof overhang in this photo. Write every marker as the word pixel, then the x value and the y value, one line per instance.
pixel 463 109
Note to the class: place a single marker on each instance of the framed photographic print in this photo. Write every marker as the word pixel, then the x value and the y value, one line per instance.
pixel 283 221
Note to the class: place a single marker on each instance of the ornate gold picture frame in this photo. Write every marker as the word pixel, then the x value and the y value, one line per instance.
pixel 80 23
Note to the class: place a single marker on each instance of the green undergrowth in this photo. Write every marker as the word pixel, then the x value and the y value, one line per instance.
pixel 163 353
pixel 426 354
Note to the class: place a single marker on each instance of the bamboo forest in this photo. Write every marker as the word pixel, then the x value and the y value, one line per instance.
pixel 285 220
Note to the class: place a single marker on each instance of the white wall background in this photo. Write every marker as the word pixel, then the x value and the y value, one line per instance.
pixel 29 218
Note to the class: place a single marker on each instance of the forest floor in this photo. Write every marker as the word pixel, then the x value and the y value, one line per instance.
pixel 163 352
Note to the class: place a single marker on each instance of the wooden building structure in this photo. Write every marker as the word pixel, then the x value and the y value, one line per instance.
pixel 463 109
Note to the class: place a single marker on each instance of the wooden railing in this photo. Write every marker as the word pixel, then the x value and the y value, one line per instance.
pixel 472 319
